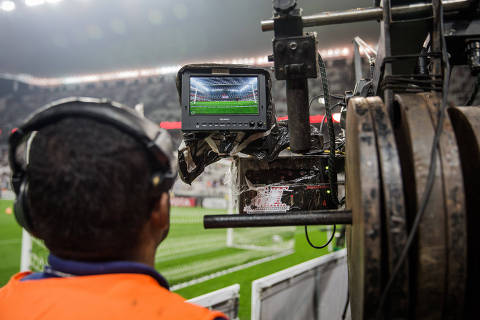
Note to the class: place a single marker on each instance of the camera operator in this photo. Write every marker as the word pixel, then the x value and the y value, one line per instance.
pixel 96 191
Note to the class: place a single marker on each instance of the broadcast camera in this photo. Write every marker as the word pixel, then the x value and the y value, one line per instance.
pixel 281 169
pixel 411 159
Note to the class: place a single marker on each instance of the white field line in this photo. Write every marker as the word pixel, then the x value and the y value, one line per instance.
pixel 187 241
pixel 188 247
pixel 169 255
pixel 258 235
pixel 253 247
pixel 230 270
pixel 286 245
pixel 196 268
pixel 205 244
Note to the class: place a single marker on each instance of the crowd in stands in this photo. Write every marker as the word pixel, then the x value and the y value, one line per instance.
pixel 160 98
pixel 157 94
pixel 4 169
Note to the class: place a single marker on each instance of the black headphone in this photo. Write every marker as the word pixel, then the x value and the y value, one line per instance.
pixel 156 142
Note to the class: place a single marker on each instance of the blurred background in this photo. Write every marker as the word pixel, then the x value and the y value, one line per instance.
pixel 129 51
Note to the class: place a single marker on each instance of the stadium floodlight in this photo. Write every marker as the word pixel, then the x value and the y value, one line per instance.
pixel 7 6
pixel 198 84
pixel 336 117
pixel 163 70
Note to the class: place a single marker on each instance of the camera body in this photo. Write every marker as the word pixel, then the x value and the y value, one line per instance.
pixel 288 184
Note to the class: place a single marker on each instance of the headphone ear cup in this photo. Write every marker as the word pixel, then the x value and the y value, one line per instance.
pixel 21 209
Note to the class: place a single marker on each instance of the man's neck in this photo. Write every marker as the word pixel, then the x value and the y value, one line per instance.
pixel 145 256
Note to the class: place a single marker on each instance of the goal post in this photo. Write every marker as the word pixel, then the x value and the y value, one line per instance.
pixel 26 252
pixel 34 254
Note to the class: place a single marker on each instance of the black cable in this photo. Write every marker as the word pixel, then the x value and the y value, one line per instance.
pixel 345 309
pixel 332 171
pixel 431 170
pixel 313 99
pixel 404 82
pixel 326 244
pixel 409 57
pixel 325 116
pixel 336 96
pixel 411 82
pixel 474 93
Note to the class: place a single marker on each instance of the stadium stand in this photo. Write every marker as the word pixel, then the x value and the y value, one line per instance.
pixel 4 170
pixel 159 97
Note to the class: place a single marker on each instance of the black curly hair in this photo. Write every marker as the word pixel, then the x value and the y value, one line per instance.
pixel 89 190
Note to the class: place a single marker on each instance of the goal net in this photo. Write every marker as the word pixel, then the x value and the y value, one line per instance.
pixel 255 242
pixel 263 239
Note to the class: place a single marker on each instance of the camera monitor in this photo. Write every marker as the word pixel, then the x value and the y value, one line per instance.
pixel 222 99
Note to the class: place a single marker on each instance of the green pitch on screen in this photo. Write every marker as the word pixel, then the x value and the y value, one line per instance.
pixel 224 107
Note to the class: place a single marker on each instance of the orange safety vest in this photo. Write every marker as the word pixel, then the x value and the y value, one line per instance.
pixel 126 296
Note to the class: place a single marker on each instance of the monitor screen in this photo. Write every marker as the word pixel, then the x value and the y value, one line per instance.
pixel 232 95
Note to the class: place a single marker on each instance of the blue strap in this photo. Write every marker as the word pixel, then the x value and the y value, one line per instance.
pixel 38 276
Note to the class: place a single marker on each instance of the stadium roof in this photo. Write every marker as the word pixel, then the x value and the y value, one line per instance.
pixel 54 38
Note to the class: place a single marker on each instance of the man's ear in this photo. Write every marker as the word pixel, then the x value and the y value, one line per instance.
pixel 160 218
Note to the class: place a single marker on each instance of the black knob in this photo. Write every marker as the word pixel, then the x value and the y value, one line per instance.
pixel 252 124
pixel 260 123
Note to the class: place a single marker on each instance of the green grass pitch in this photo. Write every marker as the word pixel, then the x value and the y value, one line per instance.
pixel 188 253
pixel 10 242
pixel 224 107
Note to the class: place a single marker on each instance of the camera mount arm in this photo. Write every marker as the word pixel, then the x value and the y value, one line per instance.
pixel 295 60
